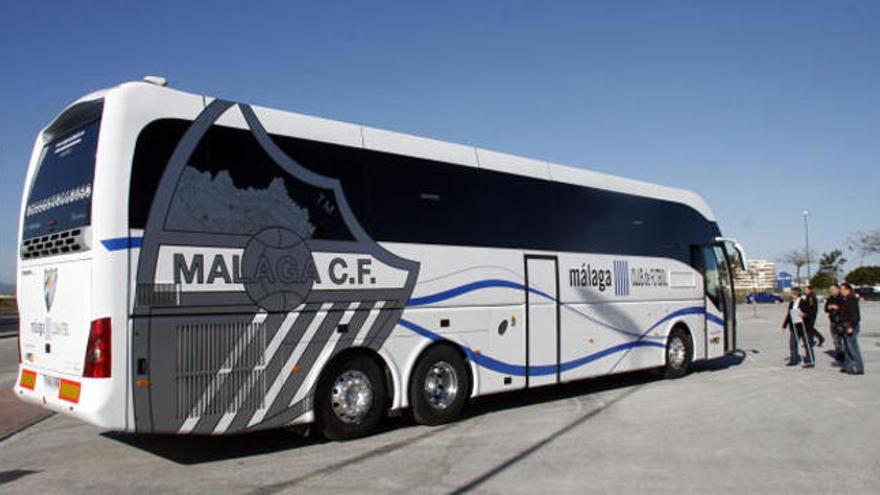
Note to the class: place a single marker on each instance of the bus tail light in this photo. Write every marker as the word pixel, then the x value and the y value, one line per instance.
pixel 98 350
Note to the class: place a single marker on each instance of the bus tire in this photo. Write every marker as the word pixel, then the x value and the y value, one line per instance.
pixel 679 353
pixel 350 398
pixel 439 387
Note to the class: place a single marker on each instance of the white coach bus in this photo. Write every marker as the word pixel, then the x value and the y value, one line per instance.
pixel 193 265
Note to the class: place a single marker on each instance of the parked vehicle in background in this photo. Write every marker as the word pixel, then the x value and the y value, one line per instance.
pixel 869 293
pixel 762 298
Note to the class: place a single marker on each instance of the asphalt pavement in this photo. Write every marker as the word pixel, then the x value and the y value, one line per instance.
pixel 742 424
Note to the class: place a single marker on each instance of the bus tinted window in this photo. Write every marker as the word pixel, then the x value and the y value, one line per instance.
pixel 232 160
pixel 610 222
pixel 61 195
pixel 398 198
pixel 154 147
pixel 343 163
pixel 517 212
pixel 415 200
pixel 233 154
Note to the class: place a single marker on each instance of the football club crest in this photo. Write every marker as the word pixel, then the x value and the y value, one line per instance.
pixel 50 282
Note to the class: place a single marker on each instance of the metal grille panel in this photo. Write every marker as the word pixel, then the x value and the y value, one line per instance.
pixel 232 352
pixel 68 241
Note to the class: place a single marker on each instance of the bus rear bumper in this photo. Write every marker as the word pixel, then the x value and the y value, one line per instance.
pixel 88 399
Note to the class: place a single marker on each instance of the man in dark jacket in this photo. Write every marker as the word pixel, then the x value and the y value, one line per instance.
pixel 832 309
pixel 850 318
pixel 812 313
pixel 794 322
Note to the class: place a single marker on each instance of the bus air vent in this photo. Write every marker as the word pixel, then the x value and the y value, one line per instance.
pixel 220 368
pixel 66 242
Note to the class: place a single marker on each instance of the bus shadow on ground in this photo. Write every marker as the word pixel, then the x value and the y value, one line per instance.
pixel 191 449
pixel 735 358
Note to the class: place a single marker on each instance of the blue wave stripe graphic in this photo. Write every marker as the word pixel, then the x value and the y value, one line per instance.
pixel 693 310
pixel 499 283
pixel 120 243
pixel 519 370
pixel 470 287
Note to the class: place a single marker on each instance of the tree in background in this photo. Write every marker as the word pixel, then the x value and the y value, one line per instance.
pixel 865 244
pixel 798 258
pixel 822 280
pixel 831 263
pixel 864 275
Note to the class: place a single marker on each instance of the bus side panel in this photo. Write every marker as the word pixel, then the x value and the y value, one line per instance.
pixel 142 417
pixel 129 108
pixel 221 229
pixel 616 311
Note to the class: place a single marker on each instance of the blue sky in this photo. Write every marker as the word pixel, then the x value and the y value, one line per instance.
pixel 764 108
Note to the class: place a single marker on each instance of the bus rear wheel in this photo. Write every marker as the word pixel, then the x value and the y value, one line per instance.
pixel 679 354
pixel 350 398
pixel 439 386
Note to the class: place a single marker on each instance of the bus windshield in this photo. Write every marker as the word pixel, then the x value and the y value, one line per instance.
pixel 61 195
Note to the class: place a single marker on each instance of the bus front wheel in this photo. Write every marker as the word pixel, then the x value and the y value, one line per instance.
pixel 679 353
pixel 439 386
pixel 350 398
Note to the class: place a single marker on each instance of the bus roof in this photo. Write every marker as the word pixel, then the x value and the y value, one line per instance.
pixel 321 129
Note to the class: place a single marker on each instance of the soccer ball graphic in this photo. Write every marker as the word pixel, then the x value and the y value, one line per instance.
pixel 278 269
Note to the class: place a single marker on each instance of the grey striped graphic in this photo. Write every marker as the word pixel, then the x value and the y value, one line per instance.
pixel 301 402
pixel 212 344
pixel 621 278
pixel 217 379
pixel 249 377
pixel 285 334
pixel 251 392
pixel 283 384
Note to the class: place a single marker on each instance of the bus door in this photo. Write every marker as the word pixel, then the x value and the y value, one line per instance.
pixel 728 297
pixel 719 302
pixel 542 320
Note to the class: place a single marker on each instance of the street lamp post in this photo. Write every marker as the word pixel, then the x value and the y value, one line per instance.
pixel 754 274
pixel 807 243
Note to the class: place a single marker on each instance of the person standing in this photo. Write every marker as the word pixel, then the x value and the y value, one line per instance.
pixel 794 321
pixel 832 309
pixel 850 319
pixel 812 310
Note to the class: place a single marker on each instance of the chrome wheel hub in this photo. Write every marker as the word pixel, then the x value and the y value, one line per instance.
pixel 351 396
pixel 441 385
pixel 677 353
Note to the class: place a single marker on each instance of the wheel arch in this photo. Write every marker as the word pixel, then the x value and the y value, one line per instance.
pixel 387 366
pixel 694 327
pixel 682 325
pixel 469 366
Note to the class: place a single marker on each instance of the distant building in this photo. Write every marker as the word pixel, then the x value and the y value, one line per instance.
pixel 759 274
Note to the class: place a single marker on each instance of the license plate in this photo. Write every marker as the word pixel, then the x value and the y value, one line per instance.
pixel 51 383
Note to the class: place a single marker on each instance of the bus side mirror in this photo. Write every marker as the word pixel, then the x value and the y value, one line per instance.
pixel 733 246
pixel 740 255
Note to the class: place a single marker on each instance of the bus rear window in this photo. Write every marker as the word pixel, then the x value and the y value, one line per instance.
pixel 61 195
